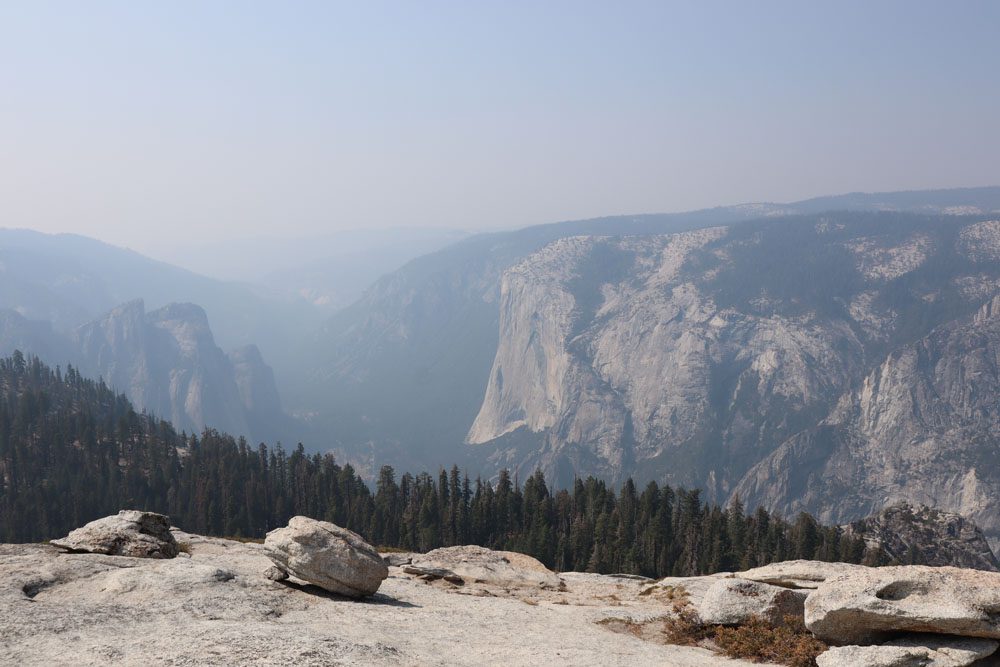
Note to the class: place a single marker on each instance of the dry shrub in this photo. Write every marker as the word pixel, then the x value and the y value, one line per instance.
pixel 684 627
pixel 788 644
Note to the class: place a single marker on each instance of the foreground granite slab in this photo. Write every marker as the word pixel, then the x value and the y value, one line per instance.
pixel 217 608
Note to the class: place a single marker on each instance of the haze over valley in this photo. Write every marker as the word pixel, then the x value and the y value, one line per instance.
pixel 500 333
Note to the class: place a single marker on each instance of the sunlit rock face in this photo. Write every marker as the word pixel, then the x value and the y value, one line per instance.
pixel 831 363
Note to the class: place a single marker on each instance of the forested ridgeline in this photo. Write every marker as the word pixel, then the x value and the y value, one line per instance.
pixel 72 450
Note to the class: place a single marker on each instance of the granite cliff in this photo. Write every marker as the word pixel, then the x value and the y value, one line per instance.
pixel 834 363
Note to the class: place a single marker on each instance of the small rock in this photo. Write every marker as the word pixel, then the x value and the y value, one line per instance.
pixel 129 533
pixel 735 601
pixel 911 651
pixel 326 555
pixel 275 573
pixel 859 607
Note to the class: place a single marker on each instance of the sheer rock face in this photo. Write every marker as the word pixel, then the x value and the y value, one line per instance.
pixel 734 601
pixel 911 651
pixel 167 363
pixel 326 555
pixel 129 533
pixel 859 607
pixel 921 427
pixel 835 364
pixel 623 358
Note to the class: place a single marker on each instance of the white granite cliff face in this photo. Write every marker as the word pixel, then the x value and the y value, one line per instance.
pixel 923 426
pixel 703 358
pixel 628 369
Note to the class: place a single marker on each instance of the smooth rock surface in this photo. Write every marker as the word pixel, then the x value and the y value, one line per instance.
pixel 858 607
pixel 478 564
pixel 734 601
pixel 798 573
pixel 216 609
pixel 326 555
pixel 911 651
pixel 129 533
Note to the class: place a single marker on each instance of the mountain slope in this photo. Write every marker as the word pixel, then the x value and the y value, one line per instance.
pixel 923 426
pixel 401 374
pixel 691 357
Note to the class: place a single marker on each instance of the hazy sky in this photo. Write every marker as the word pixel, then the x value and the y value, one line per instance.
pixel 139 122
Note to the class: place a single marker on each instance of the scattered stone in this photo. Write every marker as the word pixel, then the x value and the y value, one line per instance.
pixel 326 555
pixel 736 601
pixel 275 573
pixel 480 565
pixel 859 607
pixel 129 533
pixel 798 573
pixel 911 651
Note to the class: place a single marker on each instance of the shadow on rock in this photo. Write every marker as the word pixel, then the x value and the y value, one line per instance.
pixel 377 598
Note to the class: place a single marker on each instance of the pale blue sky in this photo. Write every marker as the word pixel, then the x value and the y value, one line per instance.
pixel 137 121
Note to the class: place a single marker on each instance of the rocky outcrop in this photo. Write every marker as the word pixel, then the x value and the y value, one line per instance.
pixel 258 393
pixel 129 533
pixel 798 573
pixel 733 601
pixel 326 555
pixel 910 534
pixel 914 651
pixel 167 363
pixel 474 564
pixel 864 605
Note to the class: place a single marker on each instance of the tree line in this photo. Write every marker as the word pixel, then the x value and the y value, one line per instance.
pixel 72 450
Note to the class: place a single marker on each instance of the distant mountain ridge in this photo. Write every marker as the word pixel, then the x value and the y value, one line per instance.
pixel 167 363
pixel 69 280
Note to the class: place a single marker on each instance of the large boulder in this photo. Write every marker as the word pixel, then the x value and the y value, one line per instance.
pixel 480 565
pixel 859 607
pixel 911 651
pixel 128 533
pixel 735 601
pixel 326 555
pixel 798 573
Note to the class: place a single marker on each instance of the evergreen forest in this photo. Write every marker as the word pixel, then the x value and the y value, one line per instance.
pixel 72 450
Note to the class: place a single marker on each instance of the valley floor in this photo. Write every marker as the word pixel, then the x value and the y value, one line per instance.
pixel 216 608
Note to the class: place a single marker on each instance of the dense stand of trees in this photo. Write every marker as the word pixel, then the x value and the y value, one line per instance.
pixel 71 450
